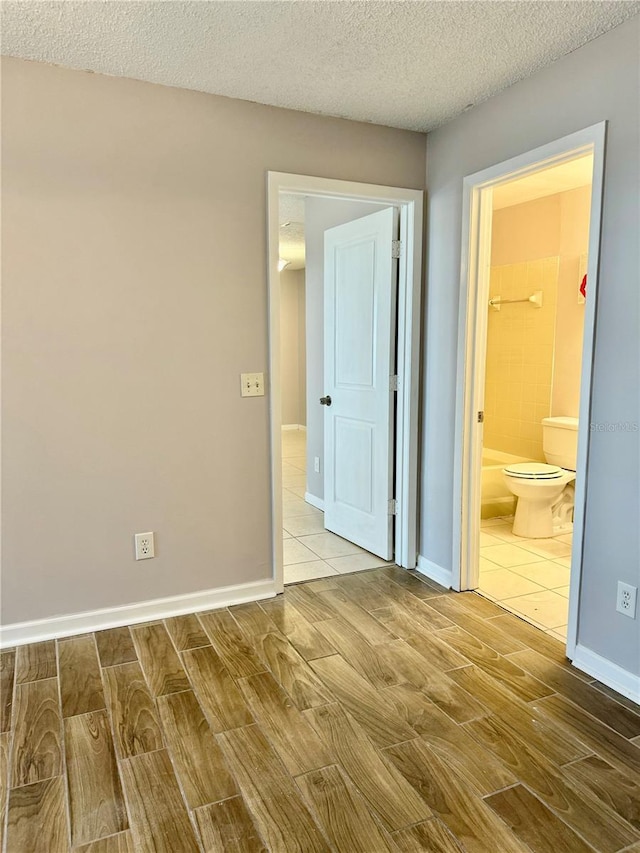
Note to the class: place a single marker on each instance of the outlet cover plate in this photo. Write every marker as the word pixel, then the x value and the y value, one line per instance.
pixel 626 601
pixel 145 546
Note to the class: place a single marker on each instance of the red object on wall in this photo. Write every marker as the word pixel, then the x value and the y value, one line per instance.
pixel 583 287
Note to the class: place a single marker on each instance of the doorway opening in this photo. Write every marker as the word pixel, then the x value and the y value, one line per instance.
pixel 309 542
pixel 528 320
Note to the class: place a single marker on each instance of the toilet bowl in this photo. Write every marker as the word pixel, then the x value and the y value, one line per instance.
pixel 545 492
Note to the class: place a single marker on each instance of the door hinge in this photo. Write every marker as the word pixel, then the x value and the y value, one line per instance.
pixel 396 248
pixel 393 383
pixel 393 507
pixel 480 417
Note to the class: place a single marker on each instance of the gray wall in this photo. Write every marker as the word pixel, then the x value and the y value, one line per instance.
pixel 320 214
pixel 599 81
pixel 134 286
pixel 292 347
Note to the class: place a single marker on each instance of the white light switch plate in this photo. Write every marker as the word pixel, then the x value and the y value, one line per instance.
pixel 252 384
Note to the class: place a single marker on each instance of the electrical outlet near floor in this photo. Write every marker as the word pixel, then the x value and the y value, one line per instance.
pixel 626 602
pixel 145 546
pixel 316 464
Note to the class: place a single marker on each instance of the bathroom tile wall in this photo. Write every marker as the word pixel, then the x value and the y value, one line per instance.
pixel 519 364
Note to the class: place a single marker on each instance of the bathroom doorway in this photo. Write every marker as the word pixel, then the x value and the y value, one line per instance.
pixel 528 313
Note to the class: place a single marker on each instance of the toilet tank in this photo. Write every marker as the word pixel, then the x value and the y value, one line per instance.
pixel 560 441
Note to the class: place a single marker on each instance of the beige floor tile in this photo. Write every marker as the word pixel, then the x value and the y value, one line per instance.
pixel 488 566
pixel 357 562
pixel 305 525
pixel 300 491
pixel 549 548
pixel 286 535
pixel 545 608
pixel 491 522
pixel 563 591
pixel 307 571
pixel 488 539
pixel 299 462
pixel 560 633
pixel 504 532
pixel 567 538
pixel 563 561
pixel 295 481
pixel 328 545
pixel 506 584
pixel 507 555
pixel 295 508
pixel 547 574
pixel 296 552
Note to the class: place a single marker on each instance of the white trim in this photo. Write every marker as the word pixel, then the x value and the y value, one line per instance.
pixel 318 503
pixel 434 572
pixel 474 292
pixel 129 614
pixel 608 673
pixel 410 203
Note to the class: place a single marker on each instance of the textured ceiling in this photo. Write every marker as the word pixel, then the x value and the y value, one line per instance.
pixel 405 64
pixel 291 222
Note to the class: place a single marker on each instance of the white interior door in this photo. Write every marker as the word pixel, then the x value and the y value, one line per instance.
pixel 360 280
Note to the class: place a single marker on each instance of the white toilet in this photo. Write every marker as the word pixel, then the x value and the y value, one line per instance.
pixel 545 492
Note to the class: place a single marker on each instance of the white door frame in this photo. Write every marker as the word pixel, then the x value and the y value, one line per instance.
pixel 472 332
pixel 410 204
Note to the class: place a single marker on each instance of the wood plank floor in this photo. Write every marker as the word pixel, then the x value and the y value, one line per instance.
pixel 373 712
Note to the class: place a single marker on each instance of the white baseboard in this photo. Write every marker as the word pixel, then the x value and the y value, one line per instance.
pixel 129 614
pixel 301 427
pixel 434 572
pixel 608 673
pixel 318 503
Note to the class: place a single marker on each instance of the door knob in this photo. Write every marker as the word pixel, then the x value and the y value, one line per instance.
pixel 325 401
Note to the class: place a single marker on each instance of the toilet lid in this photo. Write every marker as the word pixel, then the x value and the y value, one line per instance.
pixel 534 471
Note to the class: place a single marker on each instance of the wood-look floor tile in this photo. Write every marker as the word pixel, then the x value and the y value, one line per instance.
pixel 282 818
pixel 485 631
pixel 450 741
pixel 431 835
pixel 361 621
pixel 186 632
pixel 302 635
pixel 534 824
pixel 4 781
pixel 159 819
pixel 35 661
pixel 399 621
pixel 530 724
pixel 359 653
pixel 228 827
pixel 293 738
pixel 120 843
pixel 418 585
pixel 601 827
pixel 437 651
pixel 479 606
pixel 342 812
pixel 414 669
pixel 384 788
pixel 532 637
pixel 511 676
pixel 293 673
pixel 453 799
pixel 80 682
pixel 133 713
pixel 37 818
pixel 619 791
pixel 312 607
pixel 216 691
pixel 253 619
pixel 615 715
pixel 7 672
pixel 233 646
pixel 96 805
pixel 37 739
pixel 365 593
pixel 375 714
pixel 159 660
pixel 115 646
pixel 406 606
pixel 612 694
pixel 573 722
pixel 197 758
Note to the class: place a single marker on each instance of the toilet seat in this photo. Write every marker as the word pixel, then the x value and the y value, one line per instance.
pixel 534 471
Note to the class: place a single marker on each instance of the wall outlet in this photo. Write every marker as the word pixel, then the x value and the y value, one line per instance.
pixel 252 384
pixel 626 602
pixel 316 464
pixel 145 546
